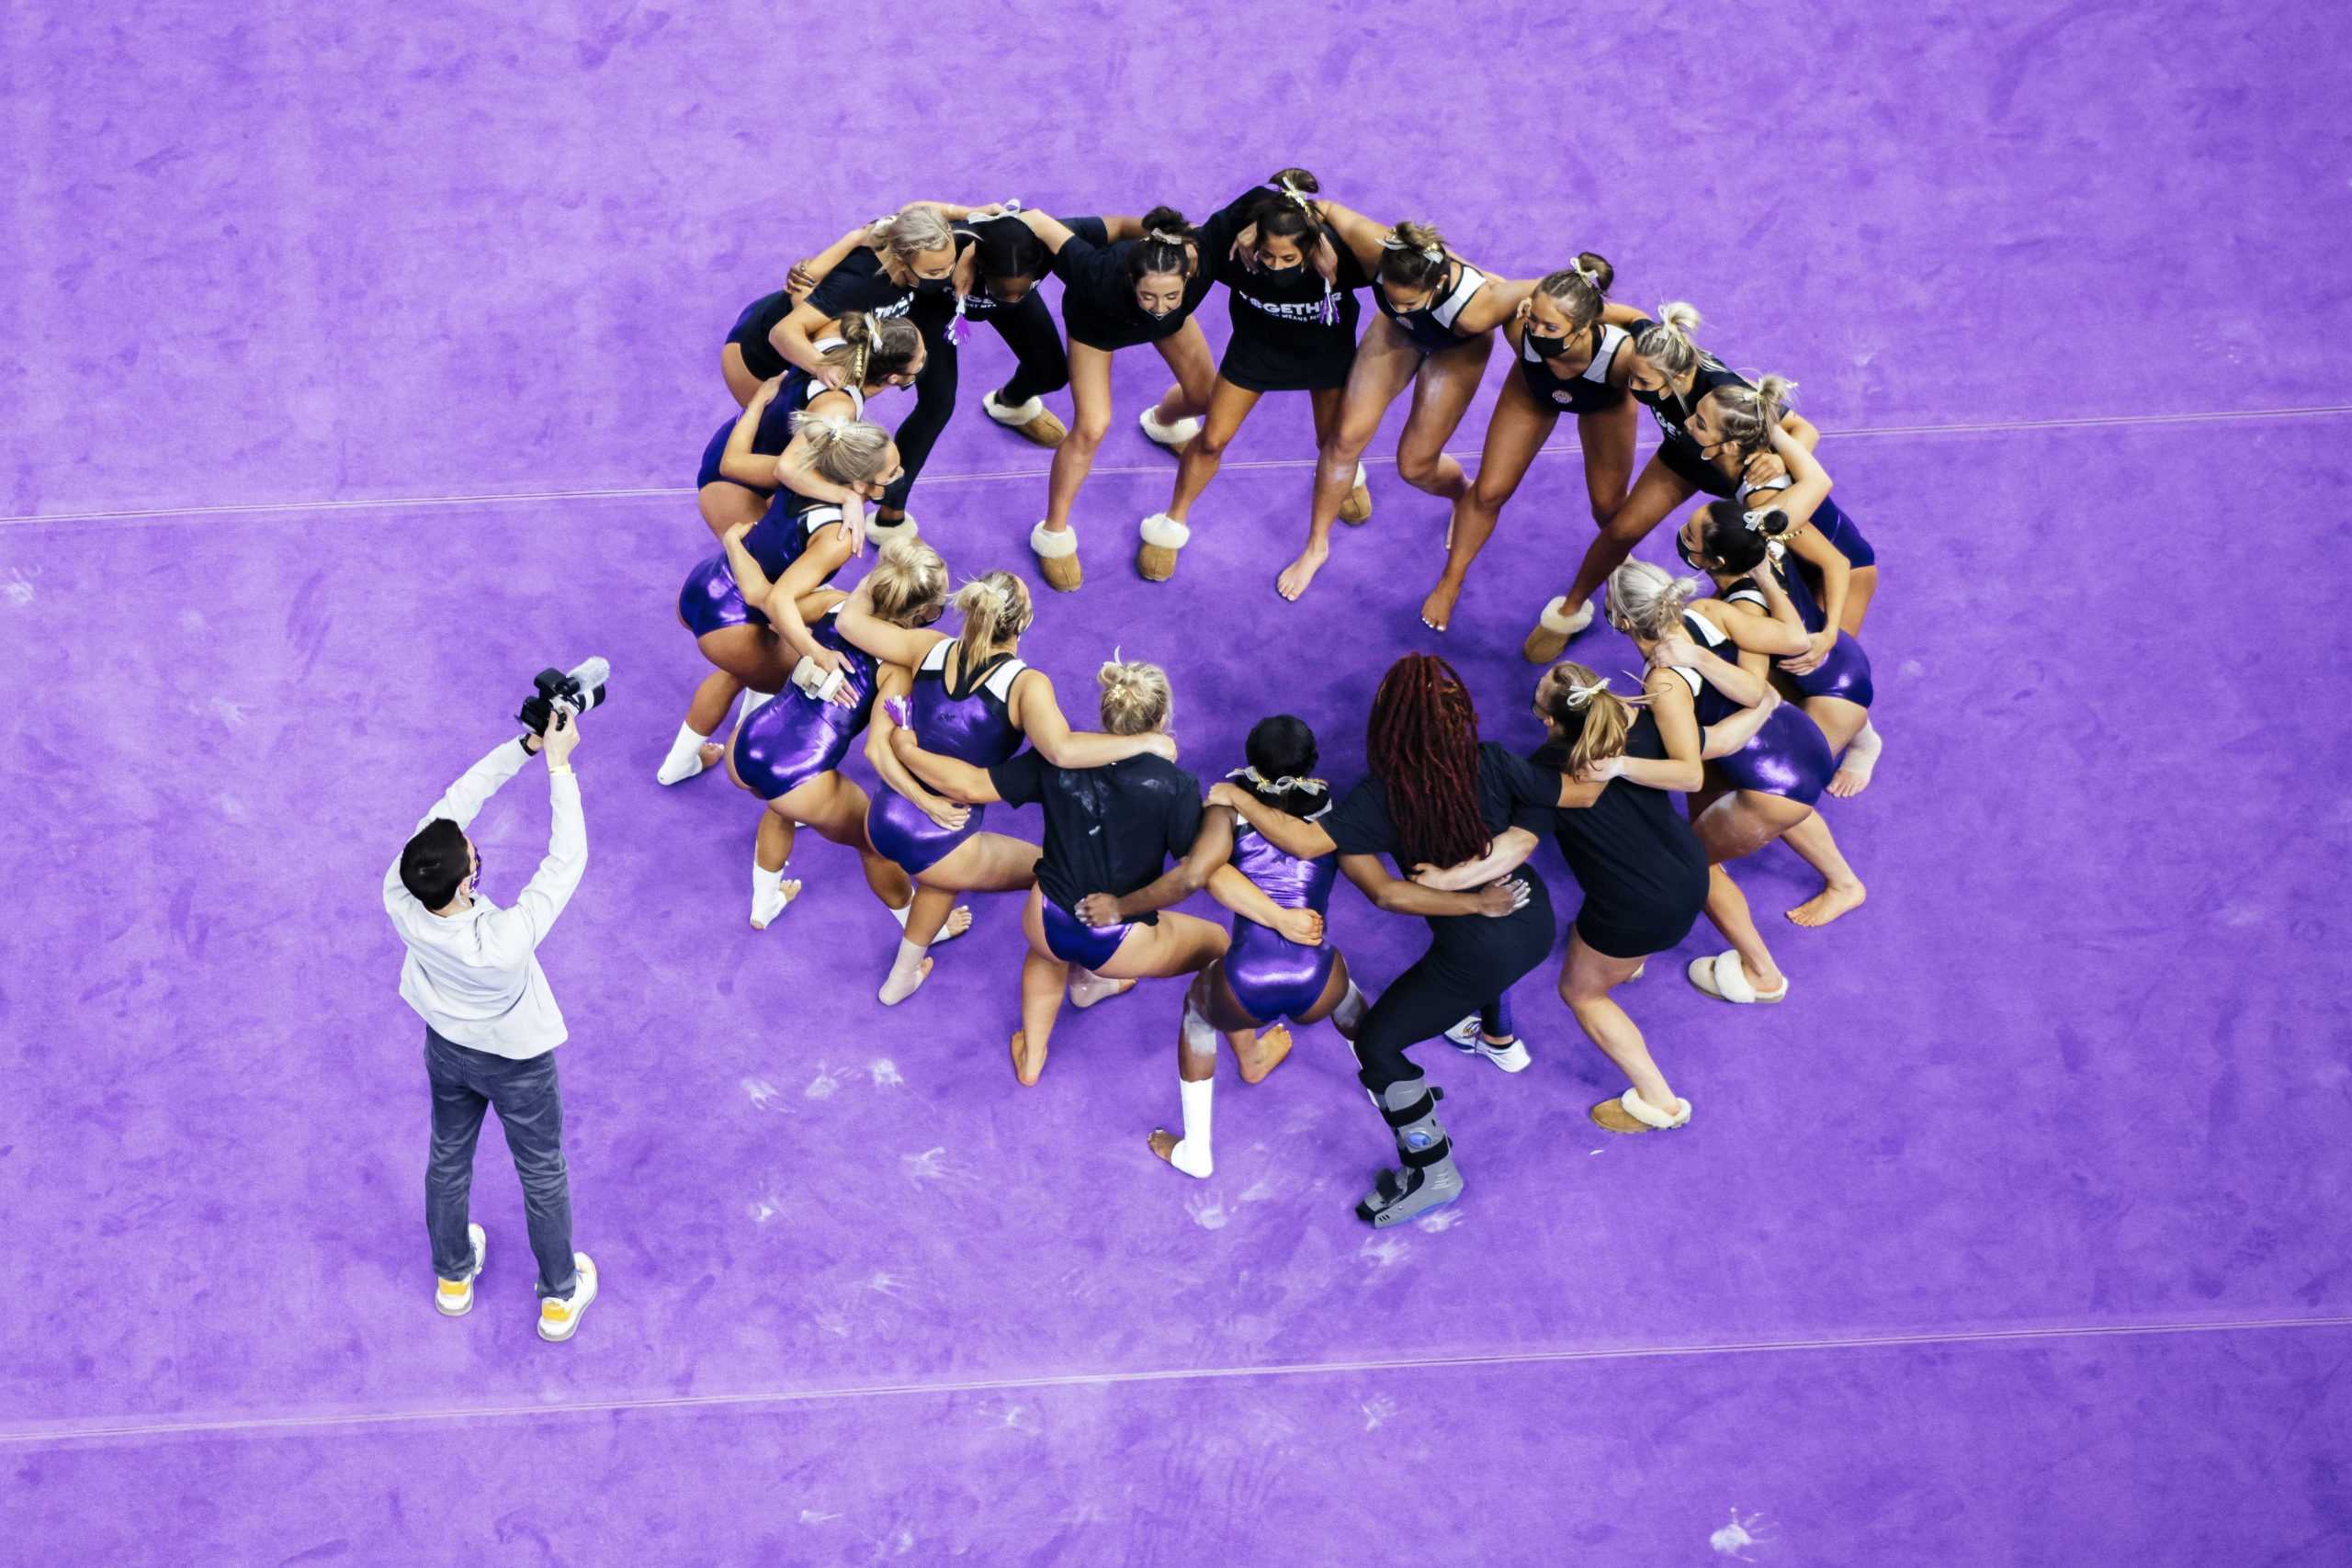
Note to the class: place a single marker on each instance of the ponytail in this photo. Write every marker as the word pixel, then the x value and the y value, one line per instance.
pixel 995 610
pixel 1135 698
pixel 1593 720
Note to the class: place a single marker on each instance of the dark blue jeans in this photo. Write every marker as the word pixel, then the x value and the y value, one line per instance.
pixel 466 1082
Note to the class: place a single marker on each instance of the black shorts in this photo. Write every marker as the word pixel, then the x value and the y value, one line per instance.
pixel 1257 364
pixel 751 330
pixel 1637 932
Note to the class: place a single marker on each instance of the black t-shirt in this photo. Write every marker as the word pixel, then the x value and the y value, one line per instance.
pixel 1631 849
pixel 1284 308
pixel 861 283
pixel 1107 829
pixel 1512 792
pixel 1034 263
pixel 1099 298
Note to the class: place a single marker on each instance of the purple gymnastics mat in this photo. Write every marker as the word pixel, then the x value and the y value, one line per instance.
pixel 355 363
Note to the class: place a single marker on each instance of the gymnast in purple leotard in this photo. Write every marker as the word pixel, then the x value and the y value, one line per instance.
pixel 1112 830
pixel 809 532
pixel 1758 790
pixel 1277 966
pixel 739 465
pixel 788 751
pixel 972 699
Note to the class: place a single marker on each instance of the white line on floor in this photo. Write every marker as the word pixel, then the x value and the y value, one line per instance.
pixel 164 1429
pixel 681 492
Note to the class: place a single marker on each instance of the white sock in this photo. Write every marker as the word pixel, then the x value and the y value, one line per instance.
pixel 1191 1155
pixel 1862 753
pixel 755 701
pixel 906 973
pixel 1350 1011
pixel 767 894
pixel 685 759
pixel 900 914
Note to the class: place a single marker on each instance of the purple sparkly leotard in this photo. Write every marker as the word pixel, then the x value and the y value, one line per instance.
pixel 710 600
pixel 970 725
pixel 1272 976
pixel 1788 757
pixel 797 737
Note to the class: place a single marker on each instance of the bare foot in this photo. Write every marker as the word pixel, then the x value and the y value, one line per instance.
pixel 893 993
pixel 1028 1065
pixel 764 909
pixel 709 754
pixel 1258 1059
pixel 1847 783
pixel 1300 572
pixel 1086 993
pixel 959 920
pixel 1828 903
pixel 1438 609
pixel 1163 1143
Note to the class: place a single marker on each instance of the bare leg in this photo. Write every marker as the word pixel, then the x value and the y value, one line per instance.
pixel 740 382
pixel 1608 443
pixel 1860 586
pixel 1089 393
pixel 1518 431
pixel 1442 393
pixel 1586 979
pixel 724 505
pixel 1841 891
pixel 1656 494
pixel 1386 360
pixel 1187 352
pixel 1735 825
pixel 1204 454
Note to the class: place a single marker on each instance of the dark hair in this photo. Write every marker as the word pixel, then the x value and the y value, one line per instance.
pixel 1422 745
pixel 1148 255
pixel 435 864
pixel 1580 291
pixel 1282 747
pixel 1280 213
pixel 1007 248
pixel 1724 534
pixel 1413 255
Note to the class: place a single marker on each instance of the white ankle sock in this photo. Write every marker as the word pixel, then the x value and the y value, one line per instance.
pixel 900 914
pixel 906 973
pixel 767 892
pixel 1861 751
pixel 1191 1154
pixel 755 701
pixel 685 759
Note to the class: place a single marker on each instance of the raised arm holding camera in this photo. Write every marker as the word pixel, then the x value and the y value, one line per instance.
pixel 490 1023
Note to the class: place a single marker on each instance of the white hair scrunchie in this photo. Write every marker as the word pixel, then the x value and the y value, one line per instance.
pixel 1282 785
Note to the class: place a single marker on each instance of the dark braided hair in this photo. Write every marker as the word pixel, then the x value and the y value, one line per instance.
pixel 1422 745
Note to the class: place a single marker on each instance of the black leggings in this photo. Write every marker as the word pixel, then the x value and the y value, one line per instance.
pixel 1467 969
pixel 1028 329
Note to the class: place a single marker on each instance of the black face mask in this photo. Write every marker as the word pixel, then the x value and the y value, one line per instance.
pixel 1549 347
pixel 933 284
pixel 1683 550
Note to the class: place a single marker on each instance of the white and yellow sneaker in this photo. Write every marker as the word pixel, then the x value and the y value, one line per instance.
pixel 455 1297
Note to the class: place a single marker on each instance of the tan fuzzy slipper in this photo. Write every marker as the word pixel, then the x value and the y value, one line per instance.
pixel 1057 557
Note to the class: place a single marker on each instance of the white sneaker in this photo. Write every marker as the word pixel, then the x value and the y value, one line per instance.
pixel 455 1297
pixel 1464 1037
pixel 1172 436
pixel 559 1315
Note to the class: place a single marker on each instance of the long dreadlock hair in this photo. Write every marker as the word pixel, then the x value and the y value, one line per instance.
pixel 1422 745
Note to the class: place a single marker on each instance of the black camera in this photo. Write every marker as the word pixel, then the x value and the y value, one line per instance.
pixel 579 689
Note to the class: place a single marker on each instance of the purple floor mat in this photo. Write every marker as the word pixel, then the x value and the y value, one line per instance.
pixel 2042 1166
